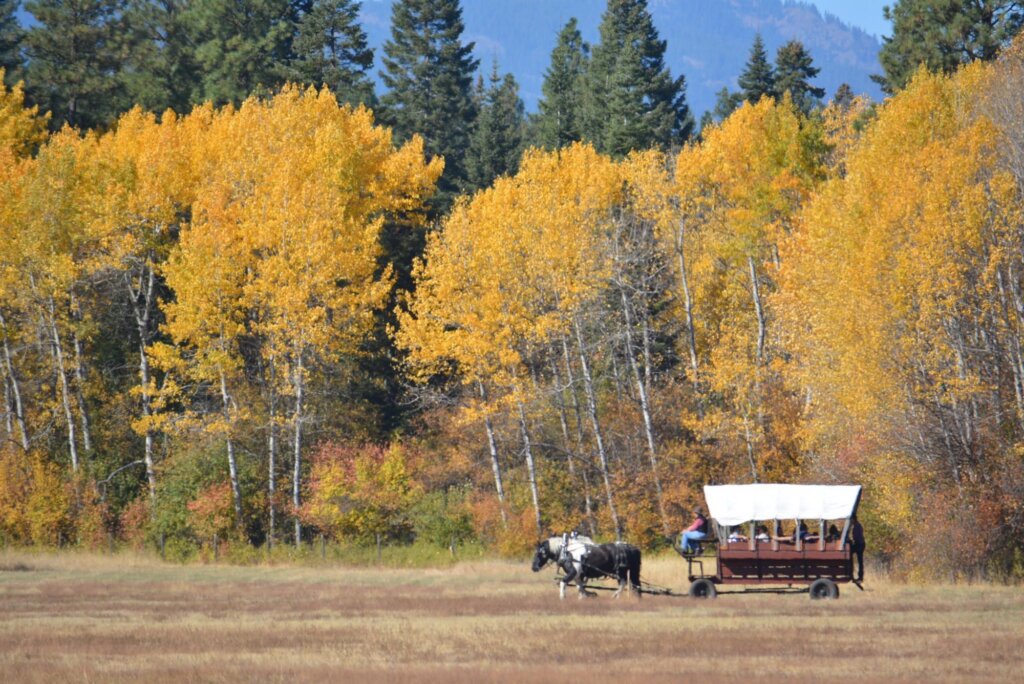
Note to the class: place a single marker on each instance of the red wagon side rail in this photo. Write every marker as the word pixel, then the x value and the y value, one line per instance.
pixel 738 564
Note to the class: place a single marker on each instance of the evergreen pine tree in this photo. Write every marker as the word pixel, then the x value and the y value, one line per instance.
pixel 844 95
pixel 429 75
pixel 497 140
pixel 558 119
pixel 428 72
pixel 242 46
pixel 11 37
pixel 943 34
pixel 75 53
pixel 331 48
pixel 757 79
pixel 794 70
pixel 628 33
pixel 161 72
pixel 706 119
pixel 726 102
pixel 625 127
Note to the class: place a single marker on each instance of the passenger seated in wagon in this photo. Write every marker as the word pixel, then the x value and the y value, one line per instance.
pixel 762 534
pixel 804 534
pixel 736 535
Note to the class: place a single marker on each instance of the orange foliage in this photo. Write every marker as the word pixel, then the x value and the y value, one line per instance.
pixel 92 517
pixel 133 521
pixel 212 512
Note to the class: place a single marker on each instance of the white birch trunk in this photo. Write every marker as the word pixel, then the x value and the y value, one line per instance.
pixel 8 410
pixel 83 410
pixel 19 410
pixel 236 490
pixel 531 469
pixel 645 409
pixel 755 290
pixel 750 449
pixel 62 380
pixel 580 442
pixel 272 458
pixel 299 385
pixel 143 311
pixel 691 335
pixel 588 385
pixel 492 446
pixel 563 420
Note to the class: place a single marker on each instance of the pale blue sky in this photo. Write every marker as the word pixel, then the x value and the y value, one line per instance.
pixel 865 14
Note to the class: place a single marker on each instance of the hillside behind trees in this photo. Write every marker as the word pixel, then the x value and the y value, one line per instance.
pixel 708 40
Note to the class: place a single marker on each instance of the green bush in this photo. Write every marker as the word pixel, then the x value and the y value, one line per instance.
pixel 443 518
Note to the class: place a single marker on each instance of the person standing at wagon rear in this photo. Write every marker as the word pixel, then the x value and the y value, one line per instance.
pixel 857 545
pixel 695 533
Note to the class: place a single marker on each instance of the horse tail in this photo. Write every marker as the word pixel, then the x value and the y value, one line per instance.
pixel 634 569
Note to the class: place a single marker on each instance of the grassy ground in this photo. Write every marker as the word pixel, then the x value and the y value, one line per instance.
pixel 80 617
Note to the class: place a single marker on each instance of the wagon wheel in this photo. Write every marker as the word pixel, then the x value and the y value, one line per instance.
pixel 703 589
pixel 824 589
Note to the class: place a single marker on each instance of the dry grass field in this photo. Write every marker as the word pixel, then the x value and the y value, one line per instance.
pixel 89 618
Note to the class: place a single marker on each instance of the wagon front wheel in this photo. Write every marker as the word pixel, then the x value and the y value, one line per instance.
pixel 703 589
pixel 824 589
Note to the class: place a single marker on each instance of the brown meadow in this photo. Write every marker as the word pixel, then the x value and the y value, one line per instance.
pixel 79 617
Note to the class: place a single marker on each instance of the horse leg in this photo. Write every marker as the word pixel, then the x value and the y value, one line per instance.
pixel 570 573
pixel 634 577
pixel 620 575
pixel 581 584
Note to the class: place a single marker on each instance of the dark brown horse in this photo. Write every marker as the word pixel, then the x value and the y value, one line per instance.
pixel 585 561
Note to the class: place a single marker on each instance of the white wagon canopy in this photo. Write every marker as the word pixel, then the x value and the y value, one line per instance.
pixel 736 504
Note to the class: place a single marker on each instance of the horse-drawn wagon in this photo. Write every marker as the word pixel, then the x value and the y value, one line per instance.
pixel 746 555
pixel 747 558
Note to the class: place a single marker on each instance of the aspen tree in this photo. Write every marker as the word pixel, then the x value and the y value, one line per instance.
pixel 12 171
pixel 293 224
pixel 507 275
pixel 145 203
pixel 58 247
pixel 740 190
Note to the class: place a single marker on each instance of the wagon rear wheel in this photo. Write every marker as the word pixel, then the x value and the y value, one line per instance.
pixel 824 589
pixel 703 589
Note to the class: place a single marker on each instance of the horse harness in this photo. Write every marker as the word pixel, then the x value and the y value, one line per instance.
pixel 619 557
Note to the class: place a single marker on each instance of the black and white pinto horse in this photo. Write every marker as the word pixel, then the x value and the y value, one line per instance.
pixel 581 559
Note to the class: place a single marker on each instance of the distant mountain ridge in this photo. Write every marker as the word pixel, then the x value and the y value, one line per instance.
pixel 708 40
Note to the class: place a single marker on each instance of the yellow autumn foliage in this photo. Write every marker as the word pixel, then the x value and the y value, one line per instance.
pixel 510 267
pixel 22 129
